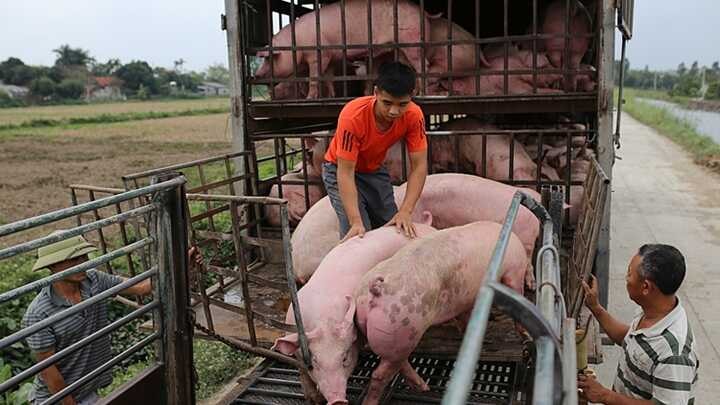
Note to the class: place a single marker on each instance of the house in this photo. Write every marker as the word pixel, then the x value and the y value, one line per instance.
pixel 16 92
pixel 213 89
pixel 104 88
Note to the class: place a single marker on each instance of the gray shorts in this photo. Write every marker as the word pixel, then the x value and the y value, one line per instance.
pixel 375 197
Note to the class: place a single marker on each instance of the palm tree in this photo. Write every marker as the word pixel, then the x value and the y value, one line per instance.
pixel 67 56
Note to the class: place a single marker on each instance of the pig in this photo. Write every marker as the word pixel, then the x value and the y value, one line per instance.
pixel 290 90
pixel 493 84
pixel 554 24
pixel 463 55
pixel 295 194
pixel 315 235
pixel 452 199
pixel 428 282
pixel 356 33
pixel 328 308
pixel 579 169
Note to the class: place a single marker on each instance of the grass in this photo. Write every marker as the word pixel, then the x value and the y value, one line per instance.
pixel 704 150
pixel 16 116
pixel 657 95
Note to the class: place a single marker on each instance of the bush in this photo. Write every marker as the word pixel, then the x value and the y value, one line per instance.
pixel 42 87
pixel 70 88
pixel 713 91
pixel 8 102
pixel 215 364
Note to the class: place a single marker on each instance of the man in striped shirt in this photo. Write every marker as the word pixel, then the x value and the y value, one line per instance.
pixel 659 365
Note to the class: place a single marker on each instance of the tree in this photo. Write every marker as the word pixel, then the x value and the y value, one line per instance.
pixel 681 70
pixel 7 66
pixel 20 75
pixel 137 73
pixel 42 87
pixel 694 69
pixel 178 64
pixel 217 73
pixel 108 68
pixel 67 56
pixel 70 89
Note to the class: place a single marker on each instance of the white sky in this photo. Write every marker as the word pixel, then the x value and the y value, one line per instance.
pixel 161 31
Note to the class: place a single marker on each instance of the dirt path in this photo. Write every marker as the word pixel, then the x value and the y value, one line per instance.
pixel 661 196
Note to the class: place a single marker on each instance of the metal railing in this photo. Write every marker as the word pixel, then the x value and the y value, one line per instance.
pixel 167 239
pixel 553 332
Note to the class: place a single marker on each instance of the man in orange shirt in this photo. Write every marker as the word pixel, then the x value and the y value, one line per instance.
pixel 358 186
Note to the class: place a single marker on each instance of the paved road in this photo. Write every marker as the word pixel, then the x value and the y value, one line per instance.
pixel 661 196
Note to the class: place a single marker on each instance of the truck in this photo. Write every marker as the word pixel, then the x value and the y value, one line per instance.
pixel 221 203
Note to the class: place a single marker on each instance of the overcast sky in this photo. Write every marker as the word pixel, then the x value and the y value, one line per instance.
pixel 161 31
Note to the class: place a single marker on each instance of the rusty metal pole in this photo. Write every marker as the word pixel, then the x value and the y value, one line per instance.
pixel 174 294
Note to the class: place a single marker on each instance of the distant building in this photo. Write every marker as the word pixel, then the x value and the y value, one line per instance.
pixel 213 89
pixel 104 88
pixel 16 92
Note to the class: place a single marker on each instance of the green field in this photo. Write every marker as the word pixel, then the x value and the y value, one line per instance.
pixel 19 116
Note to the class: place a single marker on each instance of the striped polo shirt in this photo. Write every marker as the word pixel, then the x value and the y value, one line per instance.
pixel 659 362
pixel 68 331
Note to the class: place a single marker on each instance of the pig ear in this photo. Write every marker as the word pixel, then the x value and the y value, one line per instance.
pixel 287 345
pixel 426 218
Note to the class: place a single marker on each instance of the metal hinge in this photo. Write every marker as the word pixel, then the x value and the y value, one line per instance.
pixel 223 22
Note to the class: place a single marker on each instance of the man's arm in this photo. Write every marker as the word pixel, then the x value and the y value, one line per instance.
pixel 349 197
pixel 415 184
pixel 144 287
pixel 615 329
pixel 52 377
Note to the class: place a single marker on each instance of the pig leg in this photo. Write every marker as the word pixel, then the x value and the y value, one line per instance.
pixel 412 378
pixel 381 377
pixel 310 390
pixel 314 87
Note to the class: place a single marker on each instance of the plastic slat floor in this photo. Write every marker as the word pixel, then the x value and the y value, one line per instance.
pixel 496 382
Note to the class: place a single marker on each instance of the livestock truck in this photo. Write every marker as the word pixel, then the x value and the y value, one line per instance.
pixel 515 350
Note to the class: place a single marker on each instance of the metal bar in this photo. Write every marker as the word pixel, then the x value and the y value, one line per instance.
pixel 570 393
pixel 125 240
pixel 47 362
pixel 343 39
pixel 506 45
pixel 478 47
pixel 101 236
pixel 90 264
pixel 369 37
pixel 423 50
pixel 208 206
pixel 457 389
pixel 85 207
pixel 450 46
pixel 287 255
pixel 74 201
pixel 318 50
pixel 106 190
pixel 240 258
pixel 112 362
pixel 185 165
pixel 616 136
pixel 61 235
pixel 544 372
pixel 237 198
pixel 23 333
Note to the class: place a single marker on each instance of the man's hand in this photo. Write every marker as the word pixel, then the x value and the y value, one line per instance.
pixel 592 390
pixel 591 294
pixel 403 222
pixel 356 229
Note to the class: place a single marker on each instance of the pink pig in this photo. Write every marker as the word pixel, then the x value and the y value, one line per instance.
pixel 428 282
pixel 554 24
pixel 356 33
pixel 328 308
pixel 295 194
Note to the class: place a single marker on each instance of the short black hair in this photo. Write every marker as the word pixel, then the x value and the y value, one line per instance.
pixel 664 265
pixel 396 78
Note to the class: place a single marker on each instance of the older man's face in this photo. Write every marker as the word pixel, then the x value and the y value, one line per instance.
pixel 64 265
pixel 636 285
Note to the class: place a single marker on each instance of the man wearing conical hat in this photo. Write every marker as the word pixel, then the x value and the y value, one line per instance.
pixel 61 295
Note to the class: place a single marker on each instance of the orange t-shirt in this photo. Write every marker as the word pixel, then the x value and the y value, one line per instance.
pixel 358 139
